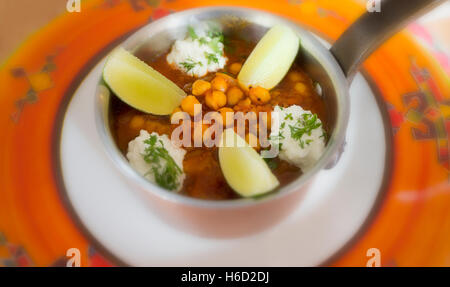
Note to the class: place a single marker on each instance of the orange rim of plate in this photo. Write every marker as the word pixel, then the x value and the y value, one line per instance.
pixel 410 223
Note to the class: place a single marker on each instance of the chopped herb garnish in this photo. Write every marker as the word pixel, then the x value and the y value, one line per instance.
pixel 189 64
pixel 305 125
pixel 192 33
pixel 215 33
pixel 163 167
pixel 214 45
pixel 211 57
pixel 288 117
pixel 215 36
pixel 203 41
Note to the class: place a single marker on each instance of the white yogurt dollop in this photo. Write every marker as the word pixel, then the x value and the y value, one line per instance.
pixel 136 152
pixel 299 134
pixel 200 53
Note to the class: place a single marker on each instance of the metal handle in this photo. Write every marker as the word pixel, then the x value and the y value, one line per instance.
pixel 369 31
pixel 373 28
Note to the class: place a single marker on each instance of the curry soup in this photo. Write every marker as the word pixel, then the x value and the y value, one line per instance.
pixel 204 178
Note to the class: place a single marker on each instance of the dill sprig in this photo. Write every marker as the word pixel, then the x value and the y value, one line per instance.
pixel 305 125
pixel 214 44
pixel 215 37
pixel 189 64
pixel 203 41
pixel 163 166
pixel 215 33
pixel 211 58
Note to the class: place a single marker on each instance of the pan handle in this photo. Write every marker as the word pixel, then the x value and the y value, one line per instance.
pixel 370 30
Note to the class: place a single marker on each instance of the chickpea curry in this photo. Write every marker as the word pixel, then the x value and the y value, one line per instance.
pixel 221 92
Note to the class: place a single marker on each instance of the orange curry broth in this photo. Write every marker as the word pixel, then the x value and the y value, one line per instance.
pixel 204 178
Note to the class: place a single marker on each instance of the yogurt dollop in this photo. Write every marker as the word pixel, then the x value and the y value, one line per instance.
pixel 200 53
pixel 164 162
pixel 299 134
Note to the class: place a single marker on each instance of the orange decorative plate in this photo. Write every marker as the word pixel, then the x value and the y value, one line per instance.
pixel 397 156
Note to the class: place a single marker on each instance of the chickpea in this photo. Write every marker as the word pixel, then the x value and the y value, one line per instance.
pixel 215 99
pixel 300 88
pixel 245 103
pixel 227 121
pixel 219 84
pixel 253 141
pixel 200 87
pixel 188 104
pixel 235 68
pixel 259 95
pixel 137 122
pixel 234 95
pixel 229 79
pixel 295 76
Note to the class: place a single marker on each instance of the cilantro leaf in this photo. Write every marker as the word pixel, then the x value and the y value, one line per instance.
pixel 163 166
pixel 211 57
pixel 305 125
pixel 189 64
pixel 214 44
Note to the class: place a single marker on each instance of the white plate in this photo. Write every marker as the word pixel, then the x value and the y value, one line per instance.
pixel 119 219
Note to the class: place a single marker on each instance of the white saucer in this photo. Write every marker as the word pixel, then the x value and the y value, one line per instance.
pixel 119 219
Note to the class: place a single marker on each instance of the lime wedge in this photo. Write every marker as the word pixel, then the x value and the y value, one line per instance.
pixel 139 85
pixel 270 59
pixel 244 169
